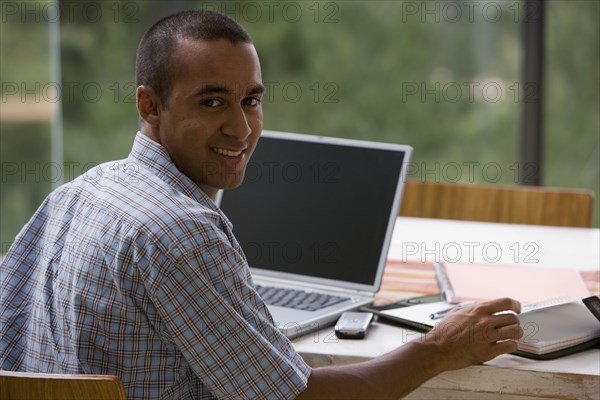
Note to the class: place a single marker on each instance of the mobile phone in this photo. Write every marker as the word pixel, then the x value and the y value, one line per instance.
pixel 353 325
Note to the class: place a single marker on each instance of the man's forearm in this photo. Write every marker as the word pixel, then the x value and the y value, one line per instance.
pixel 390 376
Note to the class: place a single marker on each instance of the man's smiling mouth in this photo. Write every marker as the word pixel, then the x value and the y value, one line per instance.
pixel 225 152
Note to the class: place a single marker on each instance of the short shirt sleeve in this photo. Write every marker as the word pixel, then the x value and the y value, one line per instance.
pixel 221 326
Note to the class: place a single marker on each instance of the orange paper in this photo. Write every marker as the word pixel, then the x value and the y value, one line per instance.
pixel 525 284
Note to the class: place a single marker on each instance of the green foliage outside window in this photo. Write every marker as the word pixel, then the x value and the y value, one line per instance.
pixel 441 76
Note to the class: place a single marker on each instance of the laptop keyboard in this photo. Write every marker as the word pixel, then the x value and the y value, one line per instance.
pixel 297 298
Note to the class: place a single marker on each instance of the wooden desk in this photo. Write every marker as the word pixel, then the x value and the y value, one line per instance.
pixel 506 377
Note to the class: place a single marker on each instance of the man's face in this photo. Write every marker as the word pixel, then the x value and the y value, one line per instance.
pixel 213 118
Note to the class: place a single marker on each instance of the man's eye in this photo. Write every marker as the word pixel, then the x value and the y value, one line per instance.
pixel 251 101
pixel 211 103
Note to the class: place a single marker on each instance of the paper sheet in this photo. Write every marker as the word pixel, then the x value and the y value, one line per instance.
pixel 526 284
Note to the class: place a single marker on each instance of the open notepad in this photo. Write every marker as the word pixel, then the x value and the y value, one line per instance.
pixel 554 318
pixel 549 332
pixel 561 329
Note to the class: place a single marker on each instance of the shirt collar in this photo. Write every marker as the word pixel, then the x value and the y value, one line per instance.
pixel 156 158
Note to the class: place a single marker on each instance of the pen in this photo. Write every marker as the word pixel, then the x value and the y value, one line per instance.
pixel 442 313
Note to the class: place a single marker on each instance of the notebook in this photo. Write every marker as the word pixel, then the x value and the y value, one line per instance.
pixel 549 331
pixel 561 329
pixel 317 214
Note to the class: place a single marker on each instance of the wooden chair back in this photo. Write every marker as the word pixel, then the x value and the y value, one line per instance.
pixel 498 203
pixel 38 386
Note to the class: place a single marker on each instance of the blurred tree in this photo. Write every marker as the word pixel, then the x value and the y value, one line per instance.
pixel 440 76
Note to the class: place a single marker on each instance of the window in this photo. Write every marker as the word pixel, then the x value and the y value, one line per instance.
pixel 442 76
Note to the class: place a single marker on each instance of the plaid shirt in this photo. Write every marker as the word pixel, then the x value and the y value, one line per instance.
pixel 132 270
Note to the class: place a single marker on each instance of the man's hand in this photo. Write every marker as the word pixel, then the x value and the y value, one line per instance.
pixel 474 334
pixel 466 336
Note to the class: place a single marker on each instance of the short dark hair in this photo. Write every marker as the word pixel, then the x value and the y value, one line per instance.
pixel 154 64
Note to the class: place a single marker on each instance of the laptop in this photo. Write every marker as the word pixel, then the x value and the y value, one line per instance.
pixel 315 217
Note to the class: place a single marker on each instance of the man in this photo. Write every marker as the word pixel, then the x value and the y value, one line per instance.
pixel 132 270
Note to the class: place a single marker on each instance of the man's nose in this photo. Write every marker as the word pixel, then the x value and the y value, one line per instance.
pixel 237 124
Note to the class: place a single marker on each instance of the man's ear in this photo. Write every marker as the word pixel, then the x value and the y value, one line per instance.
pixel 148 105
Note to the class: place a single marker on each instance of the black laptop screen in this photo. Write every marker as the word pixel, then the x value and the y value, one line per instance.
pixel 316 209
